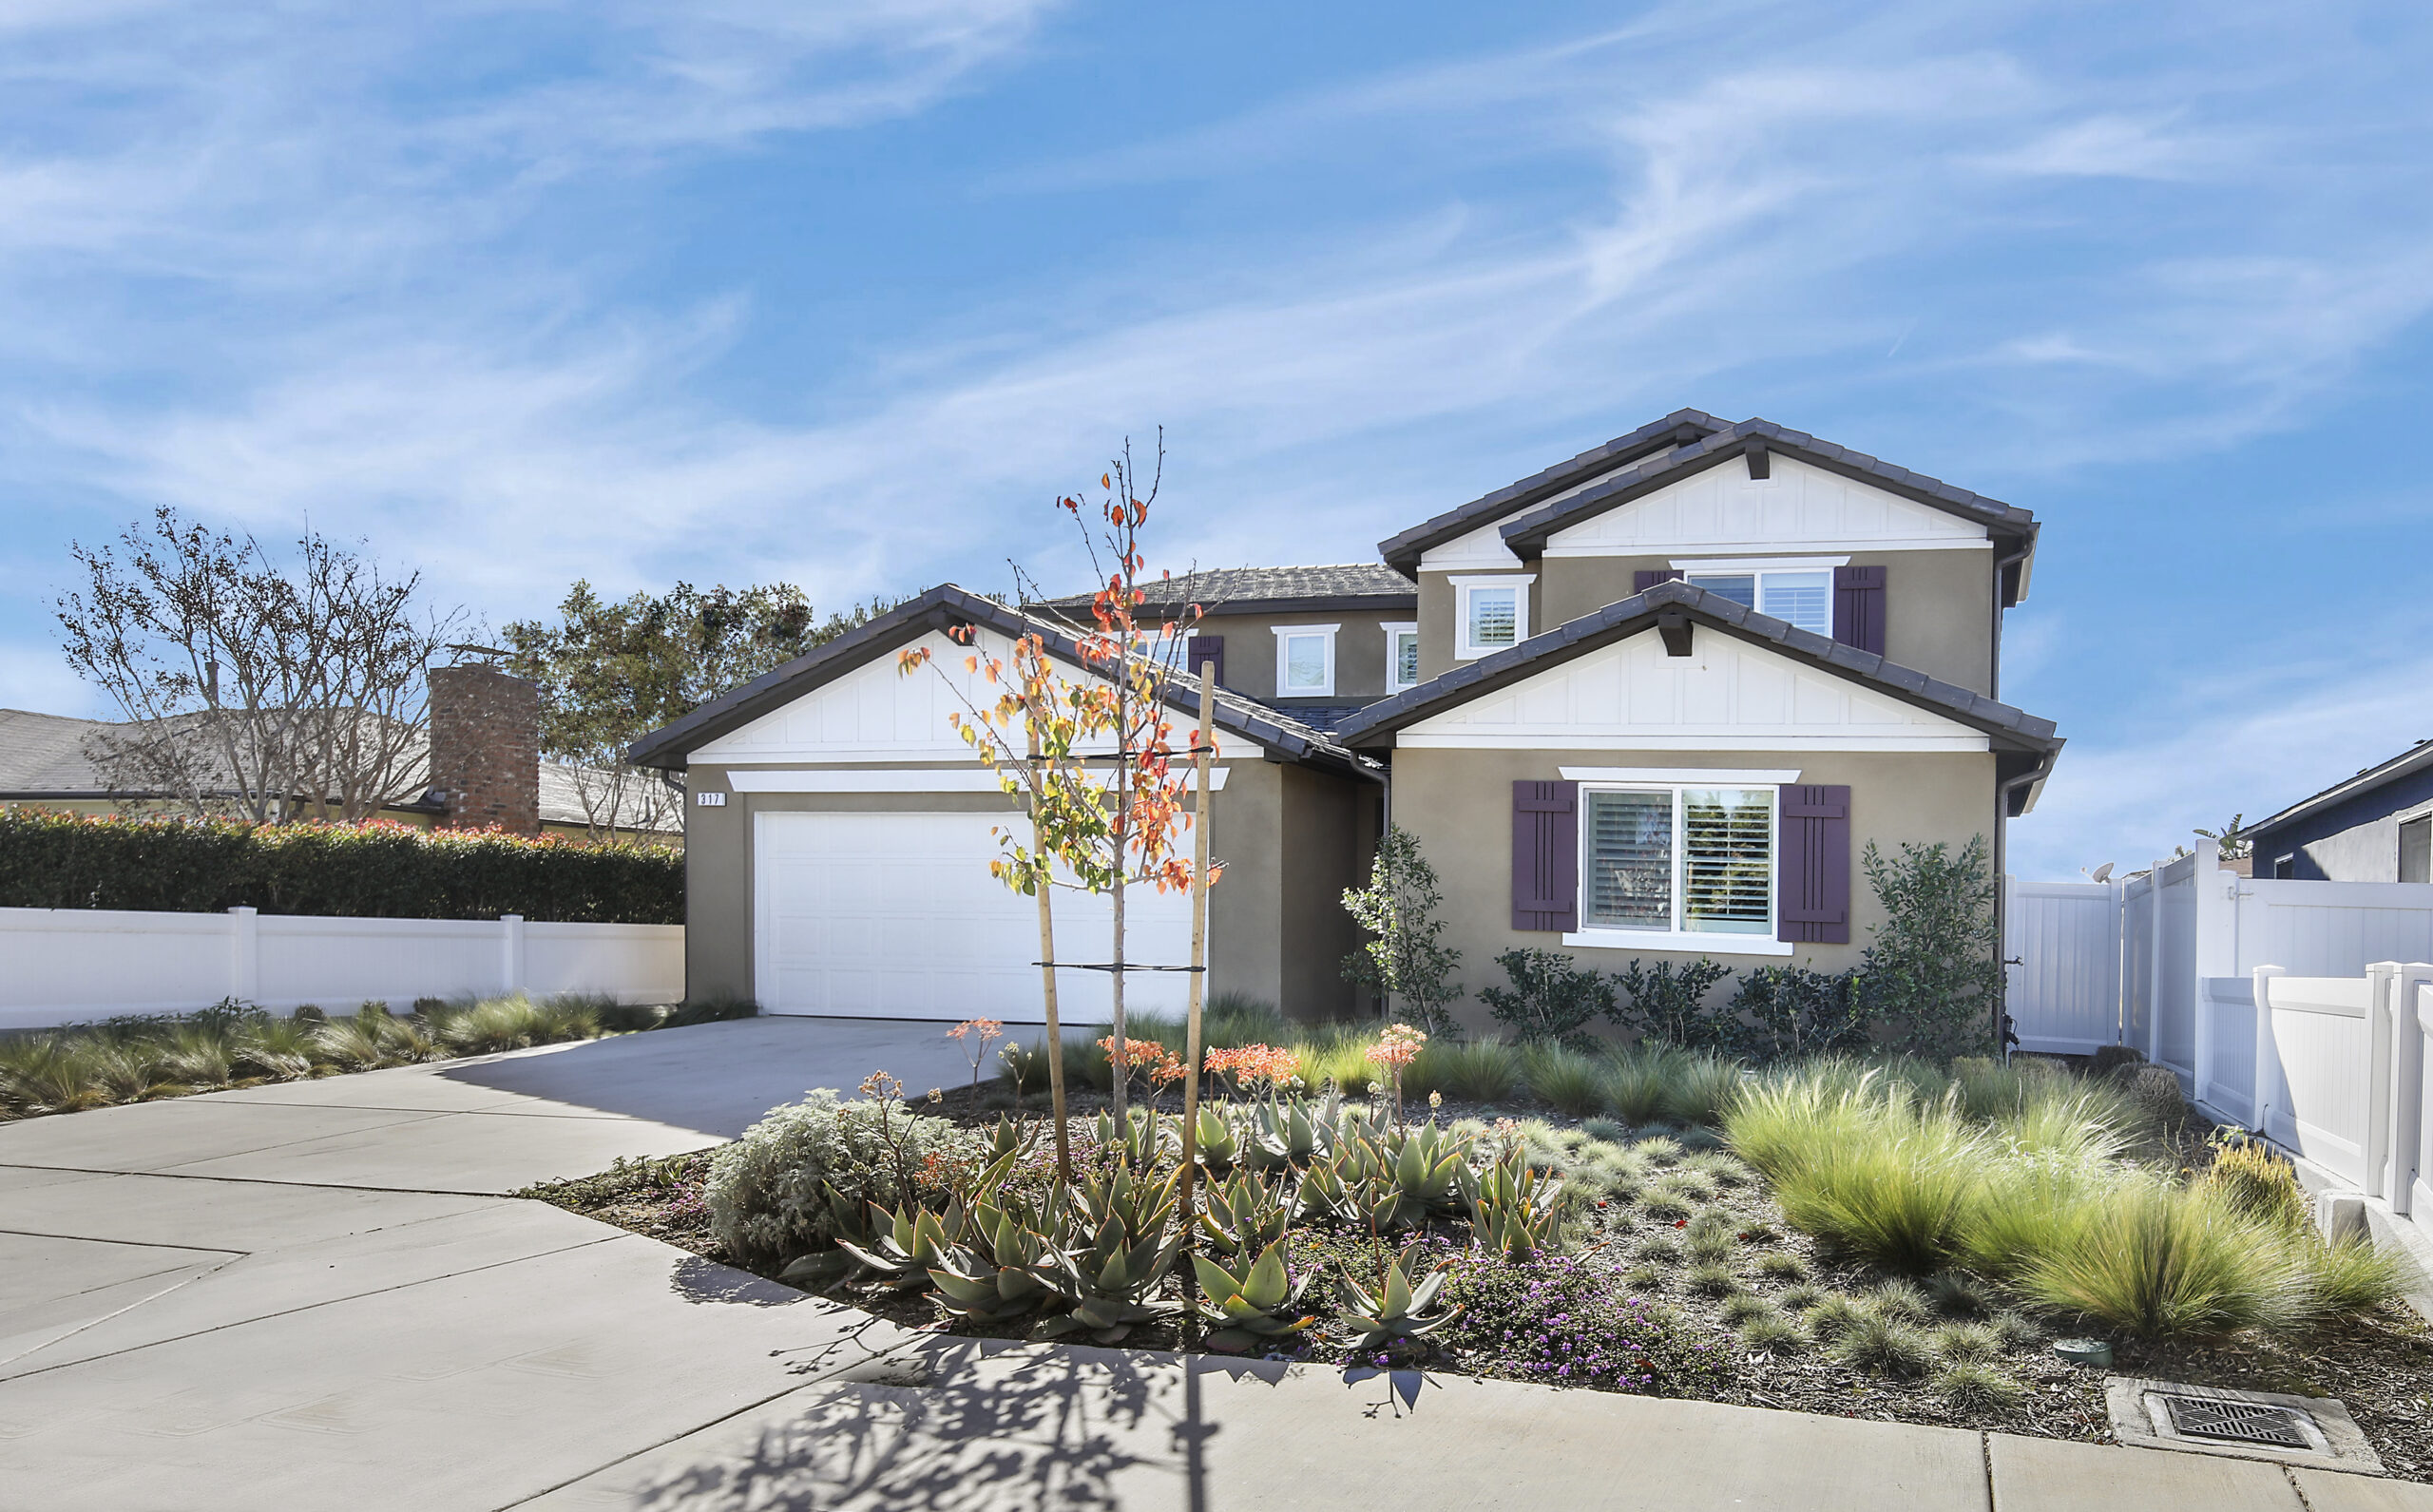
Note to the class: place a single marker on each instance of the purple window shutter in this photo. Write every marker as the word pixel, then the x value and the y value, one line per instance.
pixel 1545 855
pixel 1641 582
pixel 1203 649
pixel 1858 607
pixel 1812 866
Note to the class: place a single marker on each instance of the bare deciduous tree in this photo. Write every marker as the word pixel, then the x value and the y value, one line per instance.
pixel 249 690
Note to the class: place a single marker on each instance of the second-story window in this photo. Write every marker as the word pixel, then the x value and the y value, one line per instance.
pixel 1305 661
pixel 1402 656
pixel 1801 596
pixel 1491 614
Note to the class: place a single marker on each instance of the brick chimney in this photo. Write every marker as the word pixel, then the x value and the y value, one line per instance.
pixel 485 748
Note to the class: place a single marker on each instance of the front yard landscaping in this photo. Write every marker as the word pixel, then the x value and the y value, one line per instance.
pixel 1889 1238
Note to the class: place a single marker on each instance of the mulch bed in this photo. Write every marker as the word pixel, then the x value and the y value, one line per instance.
pixel 2381 1367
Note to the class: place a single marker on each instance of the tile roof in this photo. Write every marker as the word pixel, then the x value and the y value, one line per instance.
pixel 1229 590
pixel 949 605
pixel 1638 612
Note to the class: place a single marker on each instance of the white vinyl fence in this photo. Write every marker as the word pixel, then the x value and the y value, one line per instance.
pixel 62 964
pixel 2344 1064
pixel 2150 962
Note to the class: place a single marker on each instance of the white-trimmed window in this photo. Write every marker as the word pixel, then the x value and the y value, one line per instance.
pixel 1490 614
pixel 1798 590
pixel 1305 661
pixel 1679 865
pixel 1402 656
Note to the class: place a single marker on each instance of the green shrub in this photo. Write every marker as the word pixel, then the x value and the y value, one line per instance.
pixel 767 1190
pixel 373 870
pixel 1933 974
pixel 1667 1003
pixel 1788 1012
pixel 1406 961
pixel 1552 998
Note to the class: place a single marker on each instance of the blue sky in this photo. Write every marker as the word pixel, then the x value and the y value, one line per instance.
pixel 844 293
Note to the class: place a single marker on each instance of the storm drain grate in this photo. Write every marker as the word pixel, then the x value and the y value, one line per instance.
pixel 2235 1422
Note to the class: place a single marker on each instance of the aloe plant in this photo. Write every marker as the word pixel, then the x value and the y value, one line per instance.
pixel 1424 1166
pixel 823 1270
pixel 1507 1216
pixel 1396 1311
pixel 1008 1137
pixel 1244 1215
pixel 1294 1133
pixel 907 1242
pixel 1216 1143
pixel 1143 1138
pixel 1140 1206
pixel 1248 1299
pixel 1108 1283
pixel 1001 1272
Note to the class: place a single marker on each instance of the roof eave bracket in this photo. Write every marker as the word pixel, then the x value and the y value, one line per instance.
pixel 1674 626
pixel 1760 463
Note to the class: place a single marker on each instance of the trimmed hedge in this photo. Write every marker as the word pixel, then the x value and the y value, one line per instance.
pixel 378 869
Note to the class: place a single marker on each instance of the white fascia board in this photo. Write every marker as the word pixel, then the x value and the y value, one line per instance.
pixel 1394 627
pixel 1756 563
pixel 1683 776
pixel 1564 739
pixel 1893 544
pixel 1705 944
pixel 881 780
pixel 1491 580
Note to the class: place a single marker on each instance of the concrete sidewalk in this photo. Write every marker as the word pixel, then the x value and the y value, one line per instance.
pixel 314 1295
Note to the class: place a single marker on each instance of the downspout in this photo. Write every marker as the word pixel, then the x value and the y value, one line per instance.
pixel 2001 1023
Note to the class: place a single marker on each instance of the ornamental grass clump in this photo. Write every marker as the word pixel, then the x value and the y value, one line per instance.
pixel 2161 1261
pixel 1978 1386
pixel 1883 1346
pixel 1564 1080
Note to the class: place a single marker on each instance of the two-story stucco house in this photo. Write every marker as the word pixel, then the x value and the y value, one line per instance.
pixel 1651 703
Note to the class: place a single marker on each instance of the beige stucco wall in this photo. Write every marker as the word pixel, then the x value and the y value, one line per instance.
pixel 1286 836
pixel 1459 804
pixel 1938 606
pixel 1359 653
pixel 1436 605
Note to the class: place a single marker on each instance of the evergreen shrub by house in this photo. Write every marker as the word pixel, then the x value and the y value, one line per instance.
pixel 377 870
pixel 768 1191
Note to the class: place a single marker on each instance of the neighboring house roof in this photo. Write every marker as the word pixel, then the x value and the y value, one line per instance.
pixel 943 607
pixel 48 755
pixel 2414 759
pixel 1272 590
pixel 1680 427
pixel 2026 744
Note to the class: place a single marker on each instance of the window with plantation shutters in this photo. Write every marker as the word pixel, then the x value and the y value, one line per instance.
pixel 1679 860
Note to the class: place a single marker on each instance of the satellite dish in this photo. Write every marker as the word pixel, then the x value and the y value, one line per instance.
pixel 2104 872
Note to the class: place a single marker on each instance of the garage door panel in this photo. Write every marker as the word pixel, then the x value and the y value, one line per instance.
pixel 896 915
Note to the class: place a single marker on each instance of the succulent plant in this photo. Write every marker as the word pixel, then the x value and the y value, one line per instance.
pixel 997 1274
pixel 1295 1133
pixel 1008 1137
pixel 823 1270
pixel 1108 1283
pixel 1146 1136
pixel 1244 1215
pixel 1510 1215
pixel 907 1242
pixel 1396 1311
pixel 1248 1299
pixel 1216 1142
pixel 1140 1206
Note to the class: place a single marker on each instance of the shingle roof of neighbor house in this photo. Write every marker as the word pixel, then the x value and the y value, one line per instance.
pixel 1275 590
pixel 45 756
pixel 1684 443
pixel 2366 778
pixel 940 608
pixel 2030 742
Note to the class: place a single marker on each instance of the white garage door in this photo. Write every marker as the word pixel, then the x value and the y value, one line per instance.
pixel 895 915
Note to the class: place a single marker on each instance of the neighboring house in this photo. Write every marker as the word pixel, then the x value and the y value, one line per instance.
pixel 2376 826
pixel 482 761
pixel 1652 703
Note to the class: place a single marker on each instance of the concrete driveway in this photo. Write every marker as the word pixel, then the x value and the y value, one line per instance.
pixel 315 1295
